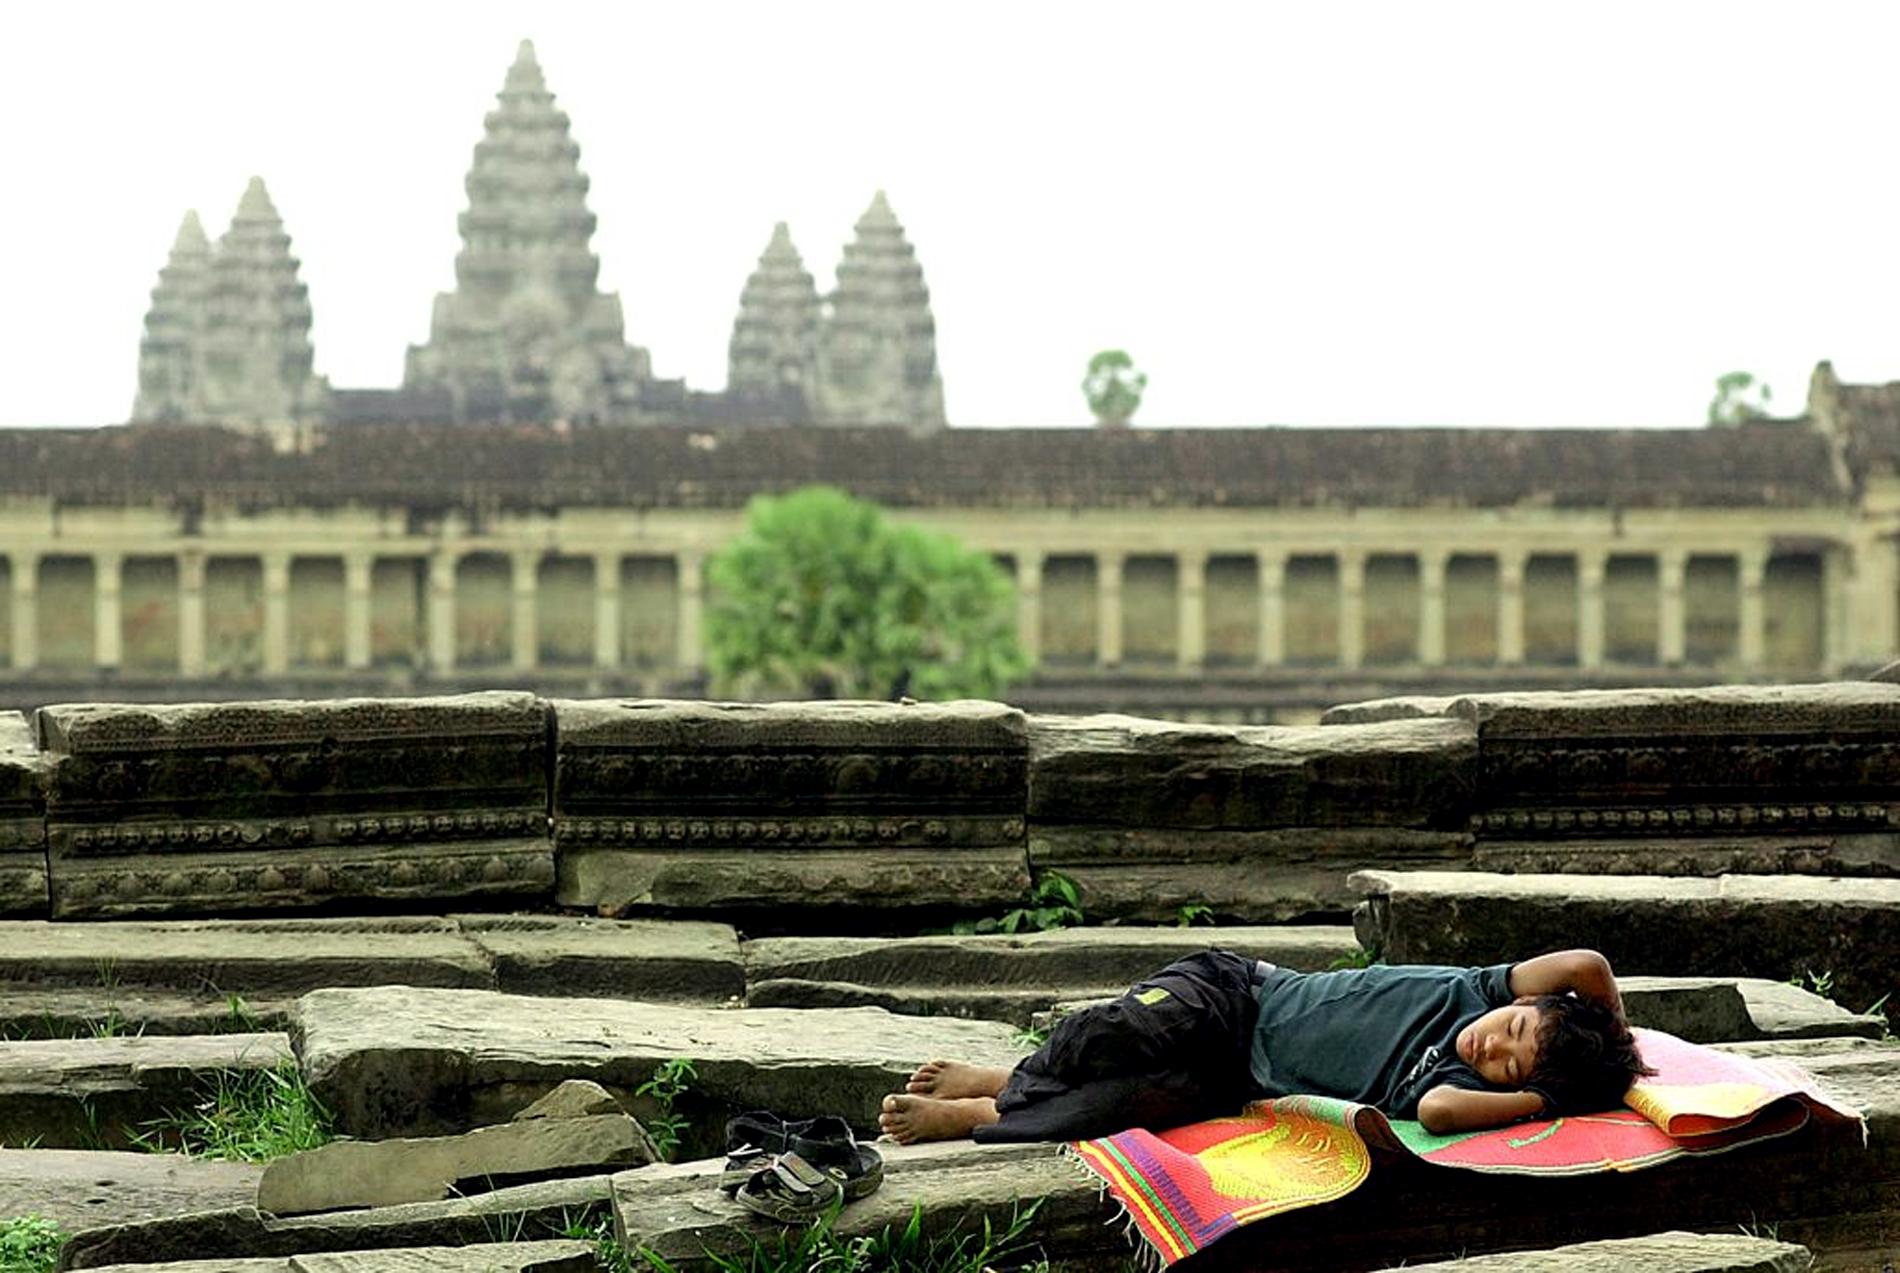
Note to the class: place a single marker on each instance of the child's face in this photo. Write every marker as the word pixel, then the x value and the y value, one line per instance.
pixel 1501 1045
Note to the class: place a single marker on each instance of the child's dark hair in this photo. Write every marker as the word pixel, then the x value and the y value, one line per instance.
pixel 1586 1057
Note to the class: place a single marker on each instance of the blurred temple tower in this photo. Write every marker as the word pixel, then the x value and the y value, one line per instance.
pixel 227 338
pixel 527 335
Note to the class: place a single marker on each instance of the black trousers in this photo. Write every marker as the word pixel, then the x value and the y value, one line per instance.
pixel 1173 1050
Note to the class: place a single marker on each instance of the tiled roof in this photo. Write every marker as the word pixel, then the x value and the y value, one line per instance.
pixel 1766 465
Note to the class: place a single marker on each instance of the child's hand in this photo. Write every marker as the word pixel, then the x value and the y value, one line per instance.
pixel 1582 972
pixel 1447 1109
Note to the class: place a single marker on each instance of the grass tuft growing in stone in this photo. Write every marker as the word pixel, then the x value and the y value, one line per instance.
pixel 29 1244
pixel 247 1116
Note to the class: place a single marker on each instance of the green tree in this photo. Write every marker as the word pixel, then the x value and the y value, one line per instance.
pixel 1113 388
pixel 821 596
pixel 1739 398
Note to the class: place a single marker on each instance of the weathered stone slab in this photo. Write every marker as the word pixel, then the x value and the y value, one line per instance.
pixel 80 1189
pixel 79 1013
pixel 766 806
pixel 575 1098
pixel 1676 1252
pixel 22 819
pixel 398 1061
pixel 1813 764
pixel 89 1093
pixel 247 806
pixel 264 958
pixel 388 1172
pixel 1822 1187
pixel 544 1208
pixel 1003 977
pixel 1148 875
pixel 1123 771
pixel 660 960
pixel 557 1256
pixel 1772 926
pixel 1375 710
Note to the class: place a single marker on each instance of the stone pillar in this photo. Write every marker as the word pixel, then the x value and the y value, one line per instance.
pixel 1511 608
pixel 692 610
pixel 1272 590
pixel 191 613
pixel 1837 574
pixel 26 611
pixel 607 609
pixel 358 570
pixel 1108 609
pixel 1029 605
pixel 276 613
pixel 1590 570
pixel 108 637
pixel 1431 608
pixel 1190 592
pixel 1352 608
pixel 1751 637
pixel 521 572
pixel 1672 611
pixel 442 610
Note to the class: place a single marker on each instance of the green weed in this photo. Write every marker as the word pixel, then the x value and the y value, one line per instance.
pixel 29 1244
pixel 1361 958
pixel 1820 983
pixel 671 1080
pixel 906 1250
pixel 598 1228
pixel 247 1116
pixel 1054 902
pixel 1193 913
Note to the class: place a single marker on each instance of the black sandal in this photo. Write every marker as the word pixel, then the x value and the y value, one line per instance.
pixel 790 1191
pixel 826 1142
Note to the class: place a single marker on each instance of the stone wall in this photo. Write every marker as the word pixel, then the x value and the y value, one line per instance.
pixel 891 815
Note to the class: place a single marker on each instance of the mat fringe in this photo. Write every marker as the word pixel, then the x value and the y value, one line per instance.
pixel 1146 1257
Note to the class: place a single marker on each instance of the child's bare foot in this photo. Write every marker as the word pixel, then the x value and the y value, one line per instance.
pixel 953 1080
pixel 909 1119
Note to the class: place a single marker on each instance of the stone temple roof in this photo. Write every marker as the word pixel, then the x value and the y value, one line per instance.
pixel 1872 417
pixel 1768 465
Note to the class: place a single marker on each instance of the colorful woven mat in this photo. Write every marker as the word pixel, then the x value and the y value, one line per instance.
pixel 1184 1188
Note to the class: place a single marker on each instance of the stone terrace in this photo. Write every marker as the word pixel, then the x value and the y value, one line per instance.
pixel 373 891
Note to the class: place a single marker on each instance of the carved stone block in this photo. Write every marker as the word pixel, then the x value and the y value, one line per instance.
pixel 1818 764
pixel 22 819
pixel 1127 772
pixel 203 808
pixel 727 805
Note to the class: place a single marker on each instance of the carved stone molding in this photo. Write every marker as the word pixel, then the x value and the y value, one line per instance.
pixel 22 820
pixel 1653 820
pixel 217 807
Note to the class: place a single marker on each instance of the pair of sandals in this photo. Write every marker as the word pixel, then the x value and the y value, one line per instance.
pixel 794 1171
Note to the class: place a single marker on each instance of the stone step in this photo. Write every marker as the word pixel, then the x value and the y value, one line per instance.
pixel 1675 1252
pixel 208 976
pixel 95 1093
pixel 237 1231
pixel 1822 1187
pixel 560 1256
pixel 83 1189
pixel 1701 1010
pixel 1773 926
pixel 396 1061
pixel 1004 977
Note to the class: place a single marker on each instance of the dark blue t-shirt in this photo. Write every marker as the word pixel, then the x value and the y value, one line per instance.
pixel 1382 1036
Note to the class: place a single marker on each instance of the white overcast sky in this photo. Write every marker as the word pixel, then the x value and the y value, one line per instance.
pixel 1308 214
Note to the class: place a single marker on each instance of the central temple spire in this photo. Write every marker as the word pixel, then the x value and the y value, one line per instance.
pixel 526 334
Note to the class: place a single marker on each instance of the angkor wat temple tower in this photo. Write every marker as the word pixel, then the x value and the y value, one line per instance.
pixel 877 353
pixel 772 361
pixel 526 334
pixel 227 339
pixel 170 352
